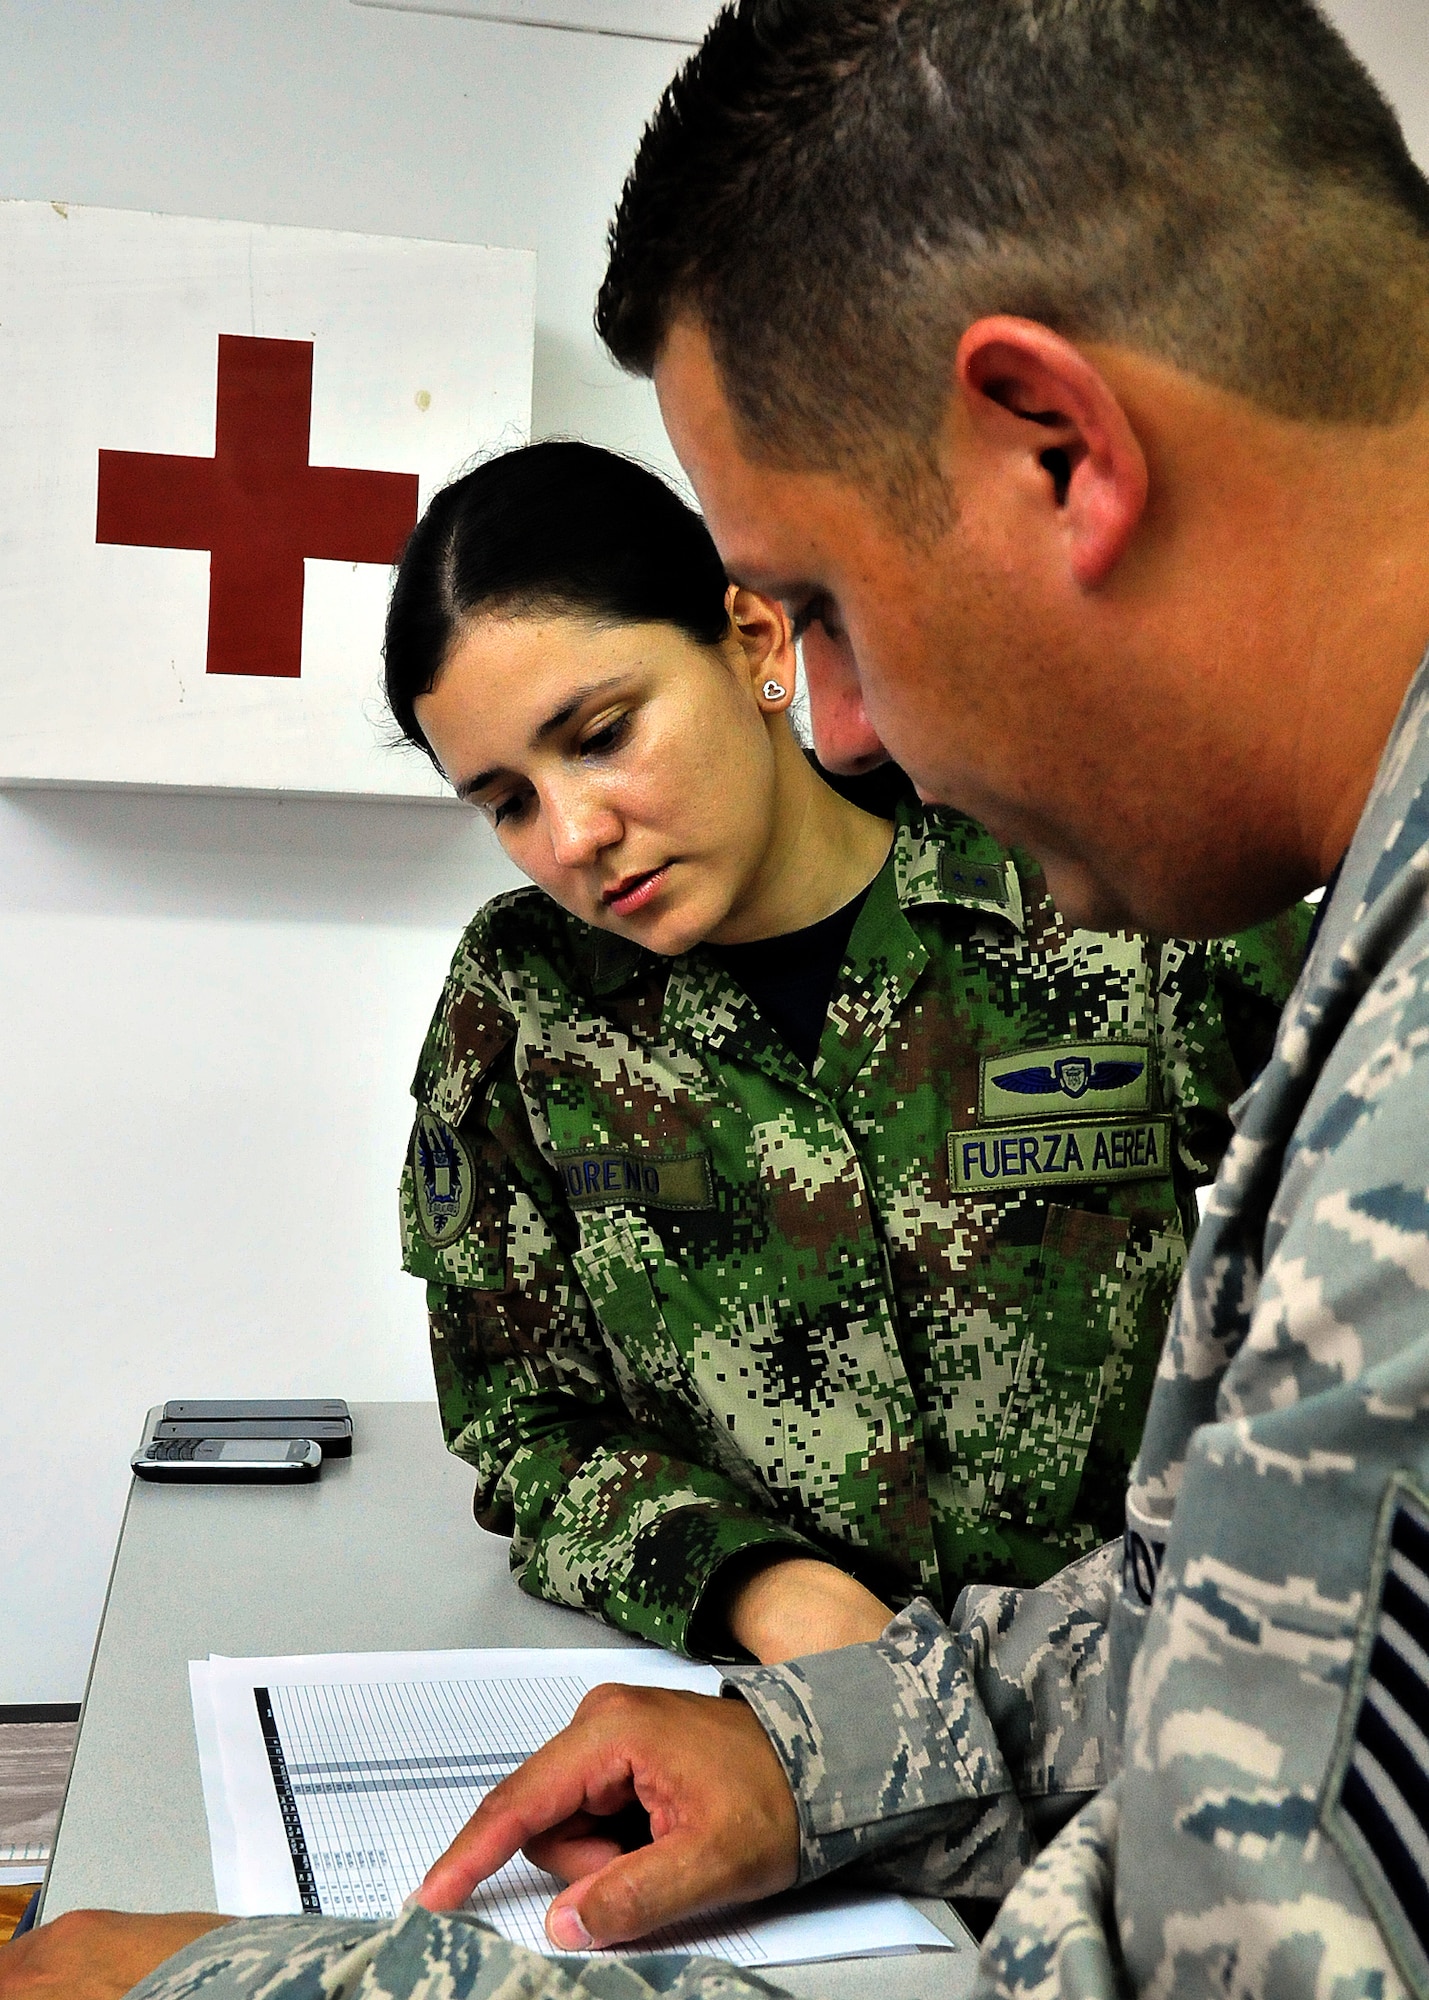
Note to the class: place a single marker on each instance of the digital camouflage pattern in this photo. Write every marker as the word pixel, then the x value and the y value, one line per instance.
pixel 688 1298
pixel 418 1957
pixel 1264 1659
pixel 975 1741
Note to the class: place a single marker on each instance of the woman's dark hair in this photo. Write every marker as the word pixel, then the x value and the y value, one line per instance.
pixel 559 527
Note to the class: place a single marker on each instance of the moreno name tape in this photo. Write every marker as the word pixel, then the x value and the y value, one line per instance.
pixel 608 1177
pixel 1121 1149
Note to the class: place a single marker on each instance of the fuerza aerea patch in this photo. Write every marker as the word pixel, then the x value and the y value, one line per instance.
pixel 1055 1155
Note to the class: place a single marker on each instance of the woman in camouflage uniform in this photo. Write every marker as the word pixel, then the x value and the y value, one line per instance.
pixel 800 1200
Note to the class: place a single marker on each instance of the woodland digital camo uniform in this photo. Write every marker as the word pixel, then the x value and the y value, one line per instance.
pixel 688 1299
pixel 1253 1678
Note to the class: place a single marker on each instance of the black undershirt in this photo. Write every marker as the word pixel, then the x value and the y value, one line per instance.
pixel 791 979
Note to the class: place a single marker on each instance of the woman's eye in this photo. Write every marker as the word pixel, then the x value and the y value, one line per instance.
pixel 609 736
pixel 498 811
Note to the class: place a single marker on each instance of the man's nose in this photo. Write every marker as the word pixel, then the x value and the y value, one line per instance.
pixel 844 738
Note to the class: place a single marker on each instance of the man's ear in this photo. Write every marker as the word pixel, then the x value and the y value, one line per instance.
pixel 1031 394
pixel 765 637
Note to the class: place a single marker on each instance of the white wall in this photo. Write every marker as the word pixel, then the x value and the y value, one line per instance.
pixel 210 1008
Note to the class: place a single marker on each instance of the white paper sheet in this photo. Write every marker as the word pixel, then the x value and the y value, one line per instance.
pixel 333 1780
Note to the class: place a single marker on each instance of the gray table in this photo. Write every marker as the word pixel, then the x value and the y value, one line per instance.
pixel 381 1554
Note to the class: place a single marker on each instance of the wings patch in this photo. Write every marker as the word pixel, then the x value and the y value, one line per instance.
pixel 1376 1807
pixel 1095 1077
pixel 1070 1079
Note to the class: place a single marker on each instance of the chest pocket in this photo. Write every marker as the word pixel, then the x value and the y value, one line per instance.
pixel 1057 1390
pixel 612 1267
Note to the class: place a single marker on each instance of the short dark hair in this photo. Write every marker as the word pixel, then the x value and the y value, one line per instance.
pixel 557 527
pixel 836 189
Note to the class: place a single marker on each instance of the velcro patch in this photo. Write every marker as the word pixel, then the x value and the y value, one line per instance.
pixel 973 881
pixel 611 1176
pixel 1093 1076
pixel 443 1179
pixel 1376 1804
pixel 1050 1156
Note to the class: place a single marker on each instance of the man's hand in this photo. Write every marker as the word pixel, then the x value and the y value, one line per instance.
pixel 722 1822
pixel 94 1954
pixel 795 1605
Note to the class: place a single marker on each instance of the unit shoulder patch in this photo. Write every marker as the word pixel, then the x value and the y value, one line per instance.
pixel 1092 1076
pixel 995 1157
pixel 609 1176
pixel 443 1179
pixel 1376 1802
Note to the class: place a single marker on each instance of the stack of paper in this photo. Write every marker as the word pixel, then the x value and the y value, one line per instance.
pixel 22 1862
pixel 332 1781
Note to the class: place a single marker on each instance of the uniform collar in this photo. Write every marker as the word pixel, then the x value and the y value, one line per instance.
pixel 938 858
pixel 941 858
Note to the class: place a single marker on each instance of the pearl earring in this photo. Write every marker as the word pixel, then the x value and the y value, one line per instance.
pixel 772 691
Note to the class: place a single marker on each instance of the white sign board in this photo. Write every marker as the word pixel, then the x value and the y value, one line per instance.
pixel 681 21
pixel 214 438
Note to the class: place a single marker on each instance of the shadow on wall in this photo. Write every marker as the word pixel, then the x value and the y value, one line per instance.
pixel 97 852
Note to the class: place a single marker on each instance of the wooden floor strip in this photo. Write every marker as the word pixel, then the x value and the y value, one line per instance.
pixel 34 1763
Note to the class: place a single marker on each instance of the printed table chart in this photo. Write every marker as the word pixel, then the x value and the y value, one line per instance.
pixel 380 1554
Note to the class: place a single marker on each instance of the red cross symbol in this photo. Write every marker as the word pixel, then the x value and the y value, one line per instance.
pixel 257 506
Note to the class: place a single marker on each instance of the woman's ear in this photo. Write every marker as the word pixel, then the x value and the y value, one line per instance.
pixel 761 630
pixel 1044 414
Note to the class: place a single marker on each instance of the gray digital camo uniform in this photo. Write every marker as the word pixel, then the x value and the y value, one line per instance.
pixel 1263 1655
pixel 417 1957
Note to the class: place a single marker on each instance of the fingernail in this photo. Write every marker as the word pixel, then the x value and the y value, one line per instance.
pixel 564 1927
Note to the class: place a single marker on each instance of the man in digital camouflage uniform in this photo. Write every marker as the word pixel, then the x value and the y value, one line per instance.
pixel 1161 624
pixel 692 1304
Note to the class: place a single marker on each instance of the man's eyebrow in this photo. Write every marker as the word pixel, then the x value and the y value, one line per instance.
pixel 557 719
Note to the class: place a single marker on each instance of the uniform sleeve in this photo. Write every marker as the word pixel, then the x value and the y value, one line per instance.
pixel 419 1956
pixel 1055 1937
pixel 1219 1004
pixel 945 1754
pixel 1268 1832
pixel 603 1513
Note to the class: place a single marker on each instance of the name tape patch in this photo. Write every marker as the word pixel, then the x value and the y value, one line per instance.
pixel 611 1176
pixel 443 1180
pixel 1123 1149
pixel 1093 1076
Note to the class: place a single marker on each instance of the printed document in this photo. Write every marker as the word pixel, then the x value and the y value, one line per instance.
pixel 333 1780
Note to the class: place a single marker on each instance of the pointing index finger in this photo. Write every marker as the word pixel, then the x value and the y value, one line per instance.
pixel 564 1778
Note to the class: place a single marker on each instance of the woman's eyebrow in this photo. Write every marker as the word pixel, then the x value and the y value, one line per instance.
pixel 561 716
